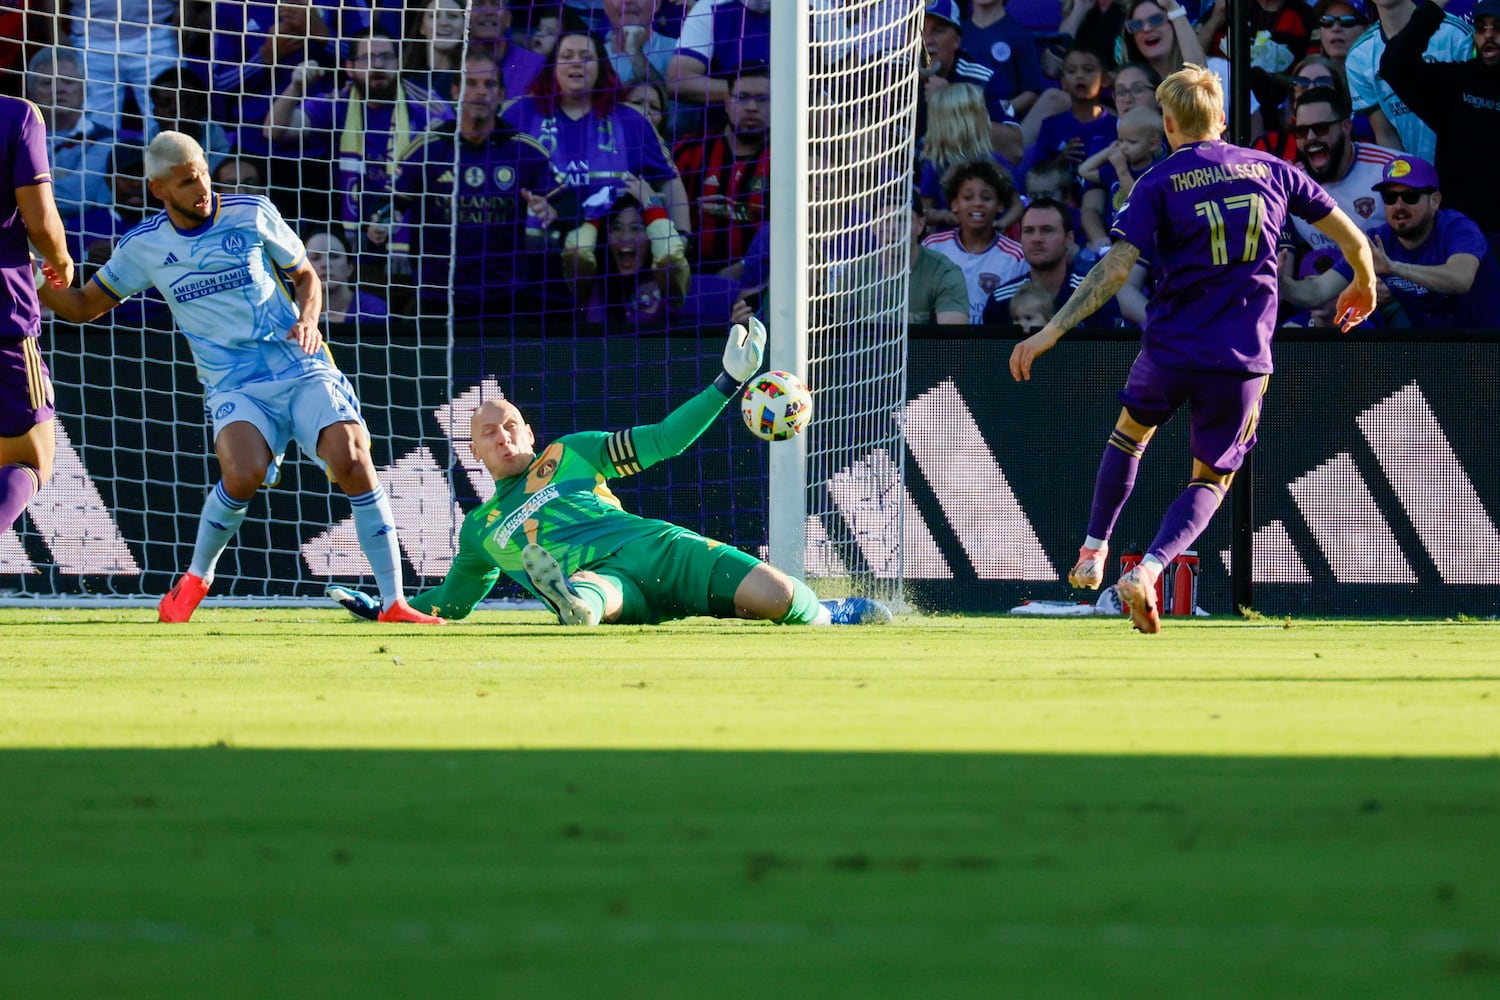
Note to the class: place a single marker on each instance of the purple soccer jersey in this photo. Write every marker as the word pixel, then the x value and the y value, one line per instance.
pixel 591 154
pixel 448 183
pixel 23 152
pixel 1206 221
pixel 367 154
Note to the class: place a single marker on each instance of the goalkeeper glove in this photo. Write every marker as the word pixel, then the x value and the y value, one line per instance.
pixel 358 604
pixel 742 356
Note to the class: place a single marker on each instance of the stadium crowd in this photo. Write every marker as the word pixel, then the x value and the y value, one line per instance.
pixel 609 159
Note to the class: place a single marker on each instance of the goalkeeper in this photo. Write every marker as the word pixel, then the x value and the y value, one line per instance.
pixel 554 527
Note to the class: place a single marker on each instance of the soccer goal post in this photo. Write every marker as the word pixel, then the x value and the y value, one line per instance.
pixel 843 148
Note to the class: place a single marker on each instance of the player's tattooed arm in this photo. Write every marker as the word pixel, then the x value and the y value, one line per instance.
pixel 1098 286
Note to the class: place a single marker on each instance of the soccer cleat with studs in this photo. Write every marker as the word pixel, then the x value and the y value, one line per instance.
pixel 1137 590
pixel 554 589
pixel 401 613
pixel 1088 572
pixel 857 611
pixel 357 603
pixel 182 600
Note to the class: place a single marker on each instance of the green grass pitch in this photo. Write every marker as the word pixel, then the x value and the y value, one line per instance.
pixel 296 804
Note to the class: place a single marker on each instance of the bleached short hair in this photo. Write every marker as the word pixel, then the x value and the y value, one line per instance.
pixel 171 149
pixel 1195 98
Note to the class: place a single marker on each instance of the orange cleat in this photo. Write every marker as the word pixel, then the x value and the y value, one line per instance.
pixel 1088 572
pixel 402 613
pixel 183 599
pixel 1137 591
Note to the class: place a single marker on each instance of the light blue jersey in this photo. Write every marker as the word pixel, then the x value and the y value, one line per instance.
pixel 226 283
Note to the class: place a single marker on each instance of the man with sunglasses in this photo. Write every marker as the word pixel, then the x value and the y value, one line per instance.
pixel 1348 170
pixel 1460 101
pixel 1434 260
pixel 1396 125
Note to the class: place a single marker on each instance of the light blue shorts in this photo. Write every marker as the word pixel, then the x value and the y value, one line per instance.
pixel 285 410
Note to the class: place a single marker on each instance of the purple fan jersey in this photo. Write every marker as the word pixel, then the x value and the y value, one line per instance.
pixel 1206 220
pixel 23 157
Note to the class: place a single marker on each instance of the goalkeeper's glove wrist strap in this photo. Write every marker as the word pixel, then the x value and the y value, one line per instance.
pixel 728 384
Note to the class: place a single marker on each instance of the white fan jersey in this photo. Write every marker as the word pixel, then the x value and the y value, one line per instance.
pixel 1355 192
pixel 226 283
pixel 1001 261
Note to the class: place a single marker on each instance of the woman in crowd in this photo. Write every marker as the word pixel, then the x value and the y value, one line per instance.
pixel 434 49
pixel 595 140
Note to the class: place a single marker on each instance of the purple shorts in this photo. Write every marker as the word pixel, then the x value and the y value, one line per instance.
pixel 25 388
pixel 1224 407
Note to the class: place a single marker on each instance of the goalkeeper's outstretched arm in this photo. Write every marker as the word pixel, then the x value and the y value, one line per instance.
pixel 652 443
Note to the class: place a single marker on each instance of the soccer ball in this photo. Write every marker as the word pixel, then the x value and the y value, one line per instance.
pixel 776 406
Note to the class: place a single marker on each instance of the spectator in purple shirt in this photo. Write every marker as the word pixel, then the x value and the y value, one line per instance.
pixel 1205 220
pixel 371 121
pixel 489 21
pixel 598 145
pixel 27 437
pixel 256 49
pixel 1434 260
pixel 435 44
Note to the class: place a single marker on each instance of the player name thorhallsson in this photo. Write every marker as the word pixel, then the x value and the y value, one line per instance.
pixel 1189 179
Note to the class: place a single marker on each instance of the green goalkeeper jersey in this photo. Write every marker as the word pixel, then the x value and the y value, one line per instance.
pixel 563 503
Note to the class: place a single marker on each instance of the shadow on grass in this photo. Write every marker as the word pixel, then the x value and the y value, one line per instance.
pixel 713 874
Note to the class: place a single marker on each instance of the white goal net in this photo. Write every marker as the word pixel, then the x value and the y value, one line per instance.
pixel 447 283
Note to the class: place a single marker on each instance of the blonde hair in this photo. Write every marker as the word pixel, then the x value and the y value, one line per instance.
pixel 1139 119
pixel 1034 295
pixel 1194 98
pixel 171 149
pixel 958 127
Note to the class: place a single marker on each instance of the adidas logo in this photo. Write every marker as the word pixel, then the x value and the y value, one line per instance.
pixel 1429 484
pixel 171 259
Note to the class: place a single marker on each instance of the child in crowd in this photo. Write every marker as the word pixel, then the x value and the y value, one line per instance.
pixel 1031 308
pixel 977 192
pixel 958 130
pixel 1111 173
pixel 1087 126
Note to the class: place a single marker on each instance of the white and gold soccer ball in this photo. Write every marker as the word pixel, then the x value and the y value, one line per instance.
pixel 776 406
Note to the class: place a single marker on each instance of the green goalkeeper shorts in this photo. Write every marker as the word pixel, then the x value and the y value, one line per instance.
pixel 677 576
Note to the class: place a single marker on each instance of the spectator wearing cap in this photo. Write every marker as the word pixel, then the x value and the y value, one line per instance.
pixel 1434 260
pixel 1338 23
pixel 1460 102
pixel 1396 125
pixel 948 63
pixel 1005 46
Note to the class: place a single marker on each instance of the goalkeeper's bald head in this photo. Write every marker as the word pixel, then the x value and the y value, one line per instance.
pixel 501 438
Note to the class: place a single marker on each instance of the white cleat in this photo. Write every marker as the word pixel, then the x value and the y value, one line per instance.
pixel 554 589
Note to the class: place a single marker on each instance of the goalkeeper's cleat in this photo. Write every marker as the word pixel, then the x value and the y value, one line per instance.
pixel 1088 572
pixel 1137 590
pixel 552 586
pixel 183 599
pixel 401 613
pixel 357 603
pixel 857 611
